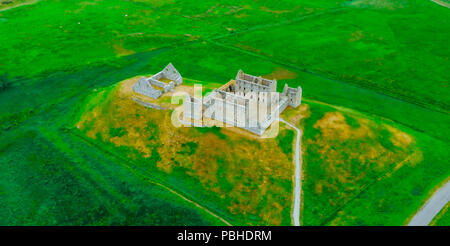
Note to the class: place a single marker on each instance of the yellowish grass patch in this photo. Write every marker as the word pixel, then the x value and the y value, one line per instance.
pixel 281 73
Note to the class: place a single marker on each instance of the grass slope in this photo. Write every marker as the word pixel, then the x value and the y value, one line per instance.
pixel 250 179
pixel 53 182
pixel 347 156
pixel 357 166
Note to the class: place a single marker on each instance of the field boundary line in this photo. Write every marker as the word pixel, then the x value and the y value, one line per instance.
pixel 281 23
pixel 275 60
pixel 190 201
pixel 150 178
pixel 365 187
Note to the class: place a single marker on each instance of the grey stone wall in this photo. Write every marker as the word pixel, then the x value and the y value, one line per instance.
pixel 294 95
pixel 146 86
pixel 193 108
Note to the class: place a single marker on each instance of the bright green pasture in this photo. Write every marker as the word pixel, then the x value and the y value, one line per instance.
pixel 383 197
pixel 51 178
pixel 388 60
pixel 399 50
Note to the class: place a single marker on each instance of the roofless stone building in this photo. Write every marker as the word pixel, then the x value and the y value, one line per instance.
pixel 165 80
pixel 249 102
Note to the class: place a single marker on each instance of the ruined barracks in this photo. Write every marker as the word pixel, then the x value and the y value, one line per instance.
pixel 166 80
pixel 248 101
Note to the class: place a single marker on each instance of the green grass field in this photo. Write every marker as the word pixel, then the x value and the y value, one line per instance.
pixel 443 218
pixel 362 166
pixel 385 60
pixel 56 179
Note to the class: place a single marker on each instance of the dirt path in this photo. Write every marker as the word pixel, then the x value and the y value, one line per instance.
pixel 298 178
pixel 432 207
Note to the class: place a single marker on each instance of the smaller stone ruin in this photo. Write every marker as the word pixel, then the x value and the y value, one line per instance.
pixel 160 83
pixel 294 95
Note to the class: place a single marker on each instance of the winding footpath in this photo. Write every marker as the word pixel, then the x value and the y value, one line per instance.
pixel 298 178
pixel 432 207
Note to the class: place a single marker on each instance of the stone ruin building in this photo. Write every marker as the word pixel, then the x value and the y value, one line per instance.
pixel 160 83
pixel 249 102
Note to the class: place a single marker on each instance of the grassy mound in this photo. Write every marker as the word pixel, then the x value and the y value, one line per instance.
pixel 251 179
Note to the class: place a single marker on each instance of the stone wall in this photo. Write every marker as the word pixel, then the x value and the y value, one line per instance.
pixel 294 95
pixel 193 108
pixel 146 86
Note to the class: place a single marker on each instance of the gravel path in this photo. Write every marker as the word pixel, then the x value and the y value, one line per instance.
pixel 298 178
pixel 432 207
